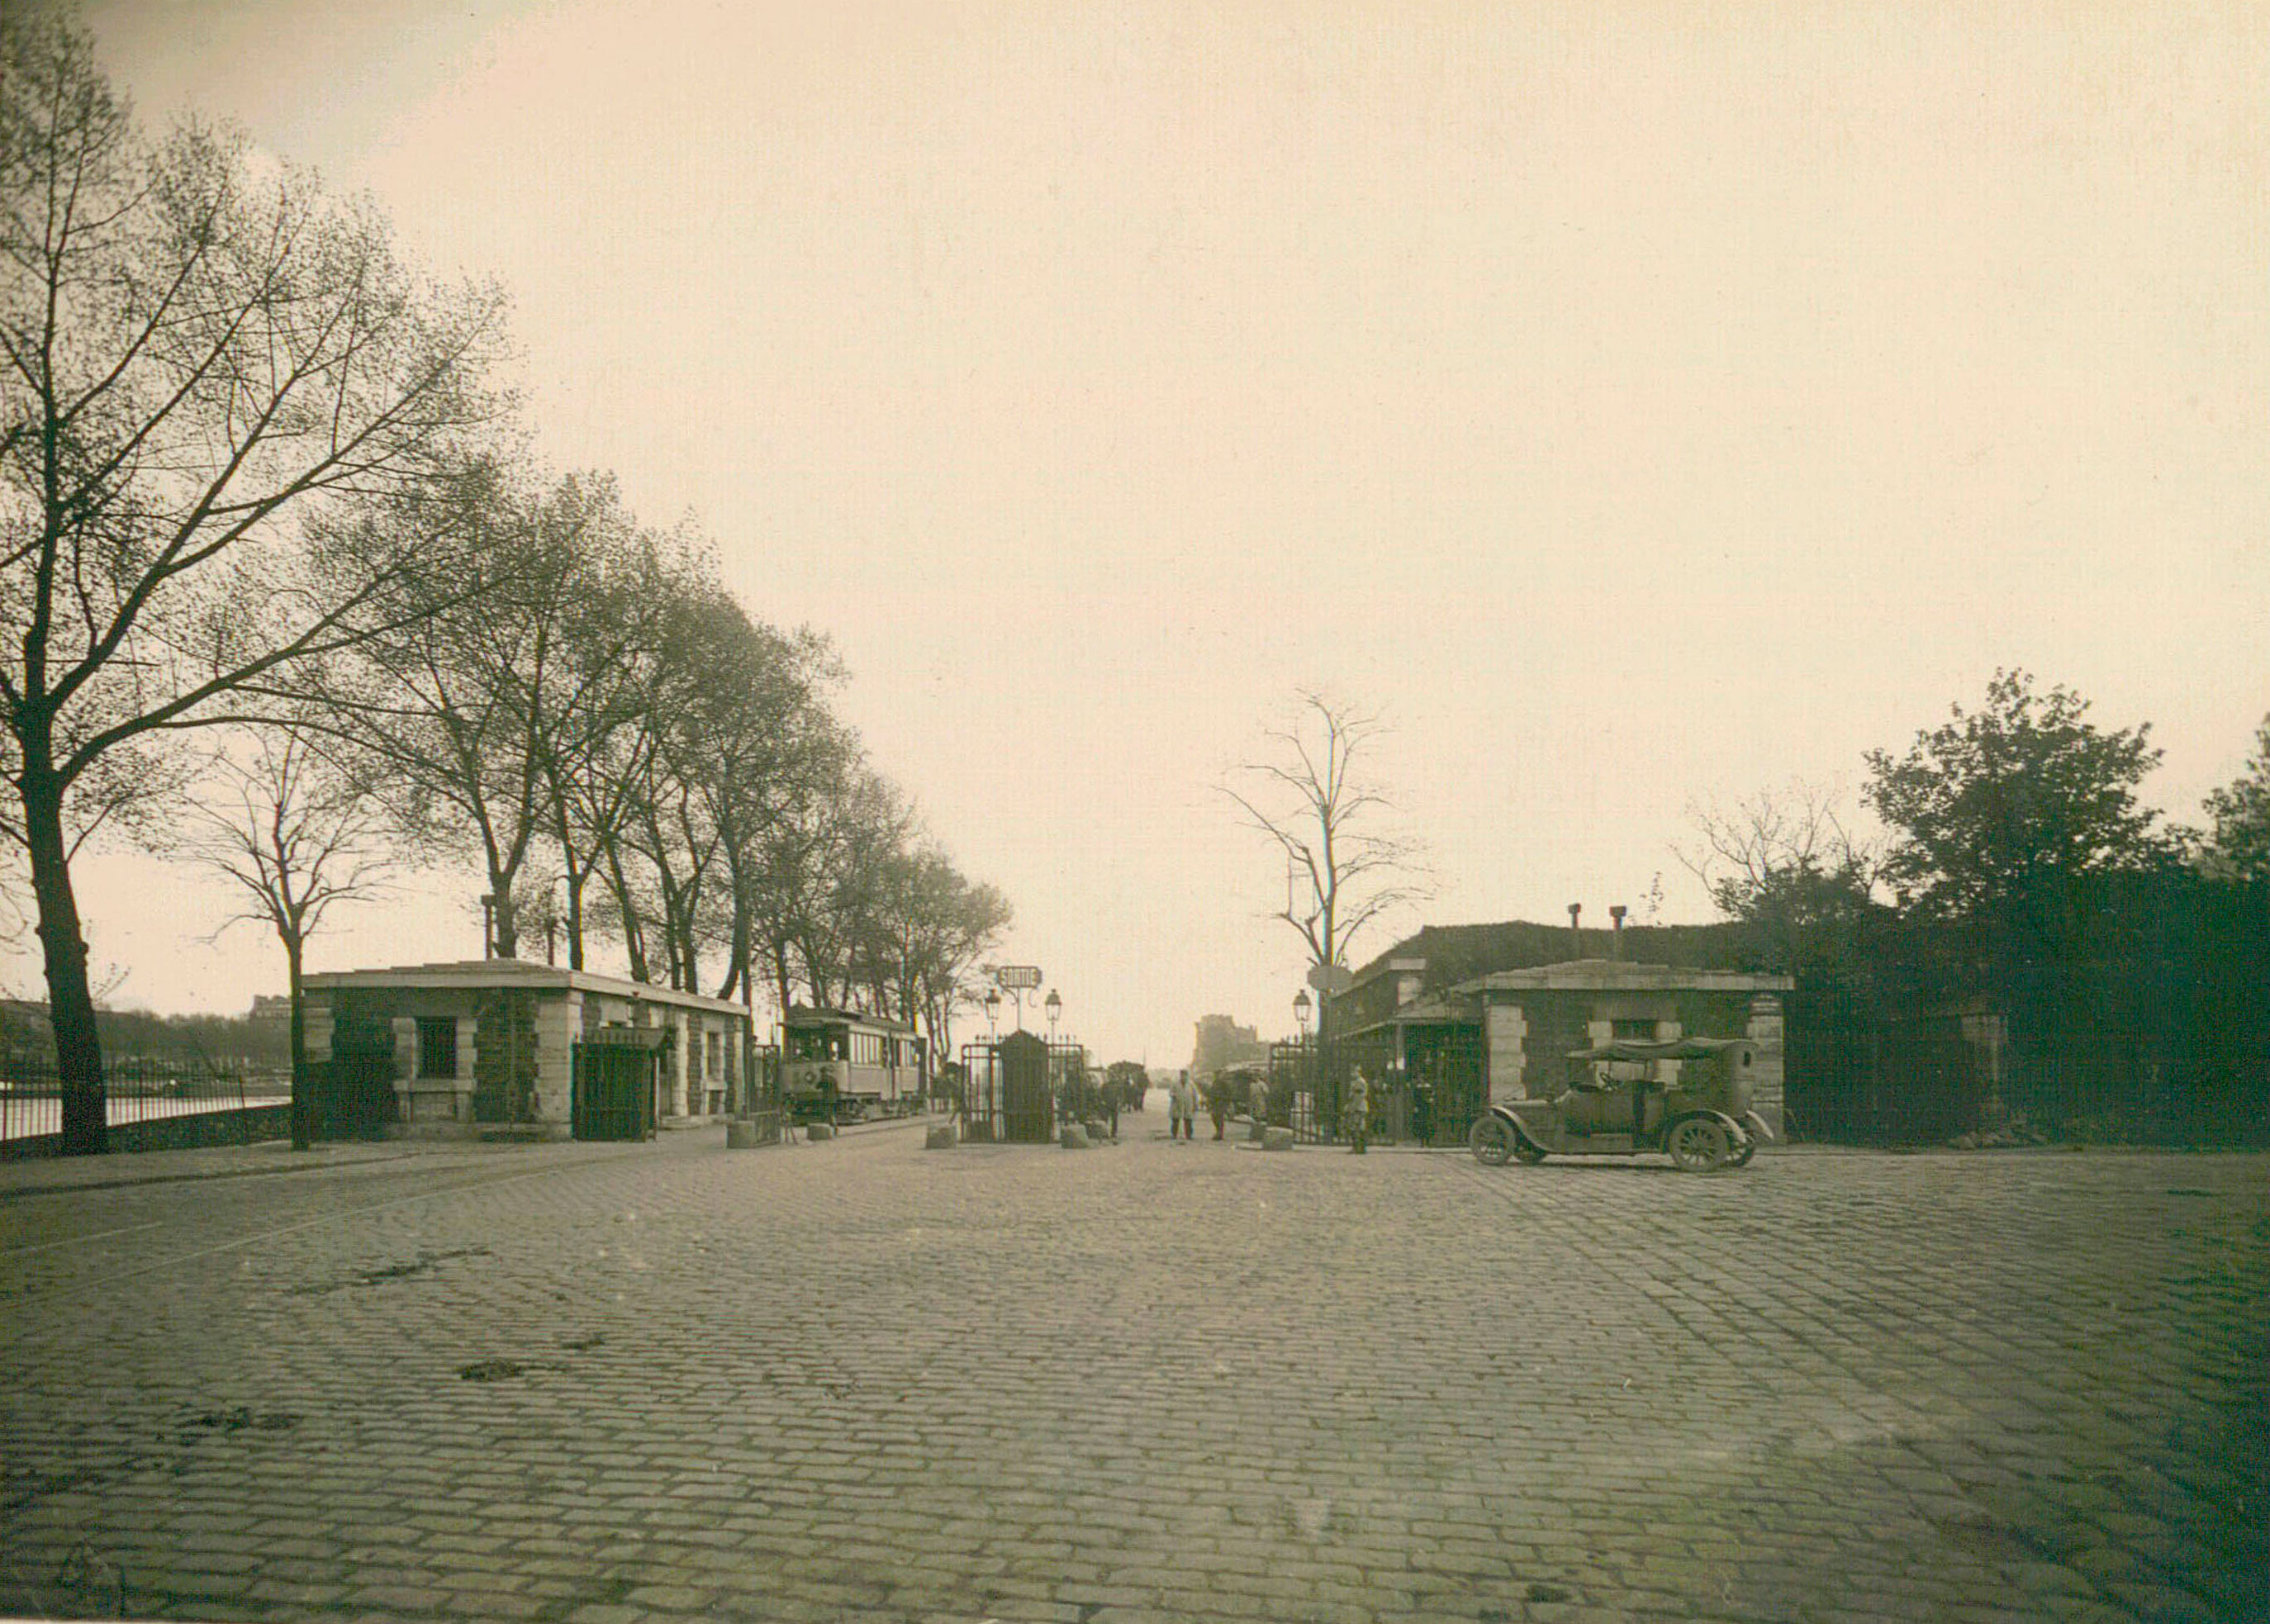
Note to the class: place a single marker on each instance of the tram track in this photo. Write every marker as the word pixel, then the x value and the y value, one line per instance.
pixel 76 1285
pixel 55 1269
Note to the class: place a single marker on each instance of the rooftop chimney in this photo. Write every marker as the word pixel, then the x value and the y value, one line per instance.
pixel 1616 942
pixel 1576 935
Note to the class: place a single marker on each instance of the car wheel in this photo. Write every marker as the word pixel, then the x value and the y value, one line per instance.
pixel 1530 1155
pixel 1494 1142
pixel 1698 1144
pixel 1743 1153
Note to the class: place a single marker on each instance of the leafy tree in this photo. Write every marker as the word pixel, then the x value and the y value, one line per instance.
pixel 932 929
pixel 2238 847
pixel 462 704
pixel 199 353
pixel 1997 814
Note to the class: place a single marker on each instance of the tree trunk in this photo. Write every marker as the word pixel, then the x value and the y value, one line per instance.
pixel 634 937
pixel 574 910
pixel 508 933
pixel 303 1104
pixel 70 999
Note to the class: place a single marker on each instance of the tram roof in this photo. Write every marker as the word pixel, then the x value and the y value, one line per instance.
pixel 806 1015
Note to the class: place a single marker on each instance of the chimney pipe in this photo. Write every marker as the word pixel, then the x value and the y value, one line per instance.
pixel 1576 935
pixel 1616 942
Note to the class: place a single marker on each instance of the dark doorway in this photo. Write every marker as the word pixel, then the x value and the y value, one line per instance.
pixel 1028 1102
pixel 616 1073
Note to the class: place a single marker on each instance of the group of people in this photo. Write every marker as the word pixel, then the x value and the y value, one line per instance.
pixel 1183 1097
pixel 1216 1095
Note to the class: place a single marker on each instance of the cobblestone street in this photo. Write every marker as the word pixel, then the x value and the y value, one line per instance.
pixel 1150 1381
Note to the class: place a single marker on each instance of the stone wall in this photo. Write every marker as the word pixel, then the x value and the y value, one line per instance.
pixel 253 1124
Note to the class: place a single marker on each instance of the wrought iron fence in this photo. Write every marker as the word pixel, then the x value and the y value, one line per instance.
pixel 136 1089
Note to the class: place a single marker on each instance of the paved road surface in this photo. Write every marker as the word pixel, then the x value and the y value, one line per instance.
pixel 587 1383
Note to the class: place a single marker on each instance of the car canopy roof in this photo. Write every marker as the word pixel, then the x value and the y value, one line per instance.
pixel 1669 1048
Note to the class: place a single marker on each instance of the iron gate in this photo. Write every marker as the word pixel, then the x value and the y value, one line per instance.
pixel 1014 1090
pixel 613 1083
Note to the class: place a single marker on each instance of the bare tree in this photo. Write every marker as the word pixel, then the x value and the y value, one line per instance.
pixel 1787 861
pixel 462 701
pixel 1344 870
pixel 1741 847
pixel 196 352
pixel 296 837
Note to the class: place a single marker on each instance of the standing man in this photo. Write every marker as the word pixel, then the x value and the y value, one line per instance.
pixel 1179 1107
pixel 1356 1112
pixel 1218 1100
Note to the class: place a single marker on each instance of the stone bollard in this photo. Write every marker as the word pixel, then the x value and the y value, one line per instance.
pixel 1097 1132
pixel 941 1137
pixel 819 1130
pixel 1073 1137
pixel 1277 1139
pixel 741 1136
pixel 1257 1133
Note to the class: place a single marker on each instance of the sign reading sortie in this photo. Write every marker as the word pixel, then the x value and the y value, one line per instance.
pixel 1016 977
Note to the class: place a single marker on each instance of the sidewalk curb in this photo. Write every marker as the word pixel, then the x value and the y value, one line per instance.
pixel 25 1191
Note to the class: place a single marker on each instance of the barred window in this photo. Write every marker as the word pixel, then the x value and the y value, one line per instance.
pixel 437 1046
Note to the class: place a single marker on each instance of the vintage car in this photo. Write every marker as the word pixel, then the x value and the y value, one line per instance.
pixel 1687 1098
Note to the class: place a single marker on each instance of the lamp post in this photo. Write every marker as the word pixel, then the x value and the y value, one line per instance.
pixel 551 919
pixel 992 1011
pixel 1060 1078
pixel 1300 1012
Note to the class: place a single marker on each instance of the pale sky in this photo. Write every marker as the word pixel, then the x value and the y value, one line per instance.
pixel 1637 404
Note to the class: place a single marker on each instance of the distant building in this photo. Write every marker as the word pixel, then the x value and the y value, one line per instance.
pixel 1222 1043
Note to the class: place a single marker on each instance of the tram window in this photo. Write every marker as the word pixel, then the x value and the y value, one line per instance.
pixel 816 1043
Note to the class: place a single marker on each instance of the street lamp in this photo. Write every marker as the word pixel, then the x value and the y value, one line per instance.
pixel 551 919
pixel 1300 1012
pixel 1055 1006
pixel 992 1009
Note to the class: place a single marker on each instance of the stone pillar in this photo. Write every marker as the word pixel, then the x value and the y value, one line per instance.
pixel 406 1065
pixel 461 1102
pixel 1764 1049
pixel 559 1024
pixel 682 1061
pixel 319 1026
pixel 1504 1032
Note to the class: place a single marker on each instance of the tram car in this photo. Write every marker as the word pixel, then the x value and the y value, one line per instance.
pixel 837 1066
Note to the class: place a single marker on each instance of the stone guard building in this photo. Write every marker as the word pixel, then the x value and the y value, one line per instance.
pixel 1455 1016
pixel 491 1042
pixel 1532 1019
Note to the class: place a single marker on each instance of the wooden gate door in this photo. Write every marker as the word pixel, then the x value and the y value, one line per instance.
pixel 613 1090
